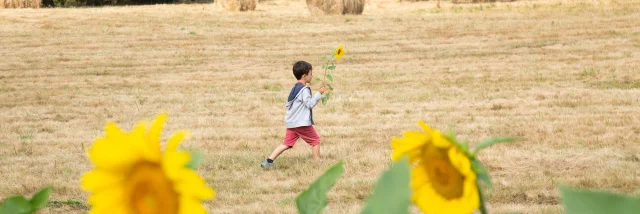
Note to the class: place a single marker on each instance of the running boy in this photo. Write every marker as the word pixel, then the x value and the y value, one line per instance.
pixel 299 117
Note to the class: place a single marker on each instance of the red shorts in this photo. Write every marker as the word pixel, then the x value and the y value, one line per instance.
pixel 308 134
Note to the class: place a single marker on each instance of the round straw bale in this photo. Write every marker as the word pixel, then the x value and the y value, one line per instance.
pixel 236 5
pixel 478 1
pixel 353 7
pixel 325 7
pixel 20 3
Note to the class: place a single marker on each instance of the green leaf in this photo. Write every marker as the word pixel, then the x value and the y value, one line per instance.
pixel 324 58
pixel 196 158
pixel 324 66
pixel 15 205
pixel 486 143
pixel 330 77
pixel 314 199
pixel 40 199
pixel 394 185
pixel 331 67
pixel 597 202
pixel 318 79
pixel 330 88
pixel 482 173
pixel 483 207
pixel 324 100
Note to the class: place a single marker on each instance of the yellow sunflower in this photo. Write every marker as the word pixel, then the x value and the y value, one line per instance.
pixel 442 179
pixel 133 176
pixel 339 52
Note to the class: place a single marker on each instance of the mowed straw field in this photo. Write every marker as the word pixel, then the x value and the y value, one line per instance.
pixel 563 76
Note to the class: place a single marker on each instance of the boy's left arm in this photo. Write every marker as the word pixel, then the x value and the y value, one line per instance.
pixel 309 101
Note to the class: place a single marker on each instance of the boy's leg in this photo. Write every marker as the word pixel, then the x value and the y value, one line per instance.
pixel 316 153
pixel 276 152
pixel 309 135
pixel 290 139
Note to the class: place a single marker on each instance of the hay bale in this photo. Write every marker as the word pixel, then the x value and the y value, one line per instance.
pixel 325 7
pixel 478 1
pixel 236 5
pixel 335 7
pixel 354 7
pixel 20 3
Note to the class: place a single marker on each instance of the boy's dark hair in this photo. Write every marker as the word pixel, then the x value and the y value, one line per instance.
pixel 301 68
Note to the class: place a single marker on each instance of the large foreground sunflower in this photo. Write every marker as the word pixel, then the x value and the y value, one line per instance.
pixel 442 179
pixel 133 176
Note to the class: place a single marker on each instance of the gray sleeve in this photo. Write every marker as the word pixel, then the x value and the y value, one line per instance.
pixel 309 101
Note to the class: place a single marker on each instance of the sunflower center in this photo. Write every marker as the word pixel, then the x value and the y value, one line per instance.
pixel 150 191
pixel 446 180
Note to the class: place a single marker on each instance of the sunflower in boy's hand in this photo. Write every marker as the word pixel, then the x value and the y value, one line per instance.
pixel 339 52
pixel 328 71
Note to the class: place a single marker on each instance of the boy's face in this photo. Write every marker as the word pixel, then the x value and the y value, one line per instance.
pixel 308 77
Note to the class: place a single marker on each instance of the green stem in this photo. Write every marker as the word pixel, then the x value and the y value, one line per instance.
pixel 325 75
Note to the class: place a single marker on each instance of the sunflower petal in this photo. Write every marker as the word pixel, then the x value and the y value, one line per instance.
pixel 190 205
pixel 460 161
pixel 440 141
pixel 402 146
pixel 138 140
pixel 415 156
pixel 419 177
pixel 471 194
pixel 417 136
pixel 111 197
pixel 471 190
pixel 96 180
pixel 425 127
pixel 193 185
pixel 427 199
pixel 112 131
pixel 174 162
pixel 175 140
pixel 112 155
pixel 153 138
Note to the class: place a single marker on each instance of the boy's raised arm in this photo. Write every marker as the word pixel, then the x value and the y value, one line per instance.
pixel 309 101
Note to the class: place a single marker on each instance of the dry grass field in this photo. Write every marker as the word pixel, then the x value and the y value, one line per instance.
pixel 563 76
